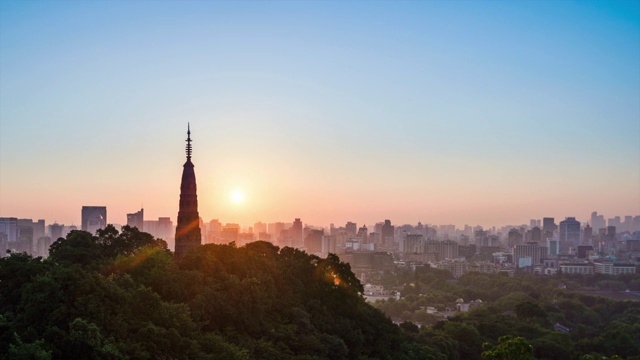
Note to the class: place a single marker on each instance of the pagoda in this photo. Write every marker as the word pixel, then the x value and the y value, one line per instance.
pixel 188 234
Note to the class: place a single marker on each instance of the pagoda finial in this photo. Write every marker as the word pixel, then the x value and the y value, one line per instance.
pixel 188 141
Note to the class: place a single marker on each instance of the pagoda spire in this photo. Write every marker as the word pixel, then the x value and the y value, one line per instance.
pixel 188 142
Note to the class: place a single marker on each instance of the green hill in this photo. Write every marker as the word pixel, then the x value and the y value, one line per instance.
pixel 122 295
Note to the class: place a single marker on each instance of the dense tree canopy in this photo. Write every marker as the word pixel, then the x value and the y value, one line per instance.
pixel 119 295
pixel 518 310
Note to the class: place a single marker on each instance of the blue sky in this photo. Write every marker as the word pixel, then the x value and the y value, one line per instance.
pixel 459 112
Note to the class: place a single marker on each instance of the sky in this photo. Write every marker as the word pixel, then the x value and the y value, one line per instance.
pixel 444 112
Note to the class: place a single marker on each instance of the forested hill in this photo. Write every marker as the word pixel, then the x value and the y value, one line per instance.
pixel 121 295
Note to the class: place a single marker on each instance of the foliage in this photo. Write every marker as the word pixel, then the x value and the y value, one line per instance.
pixel 524 306
pixel 509 348
pixel 121 295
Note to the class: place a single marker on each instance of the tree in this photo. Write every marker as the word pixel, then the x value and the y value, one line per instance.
pixel 128 241
pixel 16 271
pixel 33 351
pixel 121 295
pixel 82 248
pixel 79 247
pixel 468 338
pixel 529 310
pixel 509 348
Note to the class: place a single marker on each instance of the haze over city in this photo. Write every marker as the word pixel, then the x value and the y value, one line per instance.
pixel 486 113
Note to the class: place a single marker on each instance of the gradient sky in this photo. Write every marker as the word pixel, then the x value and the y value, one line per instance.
pixel 450 112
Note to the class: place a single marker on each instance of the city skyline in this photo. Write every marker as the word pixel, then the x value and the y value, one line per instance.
pixel 328 112
pixel 621 221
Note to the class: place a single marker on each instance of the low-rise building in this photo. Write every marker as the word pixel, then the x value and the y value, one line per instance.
pixel 457 267
pixel 577 268
pixel 613 269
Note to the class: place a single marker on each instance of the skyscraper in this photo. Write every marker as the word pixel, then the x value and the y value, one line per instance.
pixel 587 235
pixel 536 234
pixel 94 218
pixel 296 233
pixel 313 242
pixel 363 234
pixel 569 234
pixel 548 226
pixel 136 219
pixel 597 221
pixel 55 231
pixel 447 249
pixel 9 227
pixel 188 234
pixel 261 227
pixel 514 238
pixel 352 229
pixel 388 233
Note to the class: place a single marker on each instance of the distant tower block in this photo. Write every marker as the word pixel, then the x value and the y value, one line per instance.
pixel 94 218
pixel 188 234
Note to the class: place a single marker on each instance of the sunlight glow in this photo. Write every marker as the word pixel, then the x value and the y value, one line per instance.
pixel 237 197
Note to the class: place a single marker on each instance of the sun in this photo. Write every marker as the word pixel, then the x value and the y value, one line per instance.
pixel 237 196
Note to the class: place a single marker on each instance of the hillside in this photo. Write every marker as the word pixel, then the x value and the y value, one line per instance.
pixel 122 295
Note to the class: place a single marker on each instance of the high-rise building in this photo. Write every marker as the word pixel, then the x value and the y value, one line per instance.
pixel 230 233
pixel 25 239
pixel 615 221
pixel 464 240
pixel 388 233
pixel 597 221
pixel 188 234
pixel 377 228
pixel 534 234
pixel 55 231
pixel 37 226
pixel 161 229
pixel 480 237
pixel 627 224
pixel 587 235
pixel 526 254
pixel 374 238
pixel 548 226
pixel 214 227
pixel 313 242
pixel 296 233
pixel 514 238
pixel 447 249
pixel 136 220
pixel 569 234
pixel 42 246
pixel 94 218
pixel 67 229
pixel 328 245
pixel 363 234
pixel 275 229
pixel 9 227
pixel 611 233
pixel 165 228
pixel 21 235
pixel 412 244
pixel 351 228
pixel 259 227
pixel 431 247
pixel 552 246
